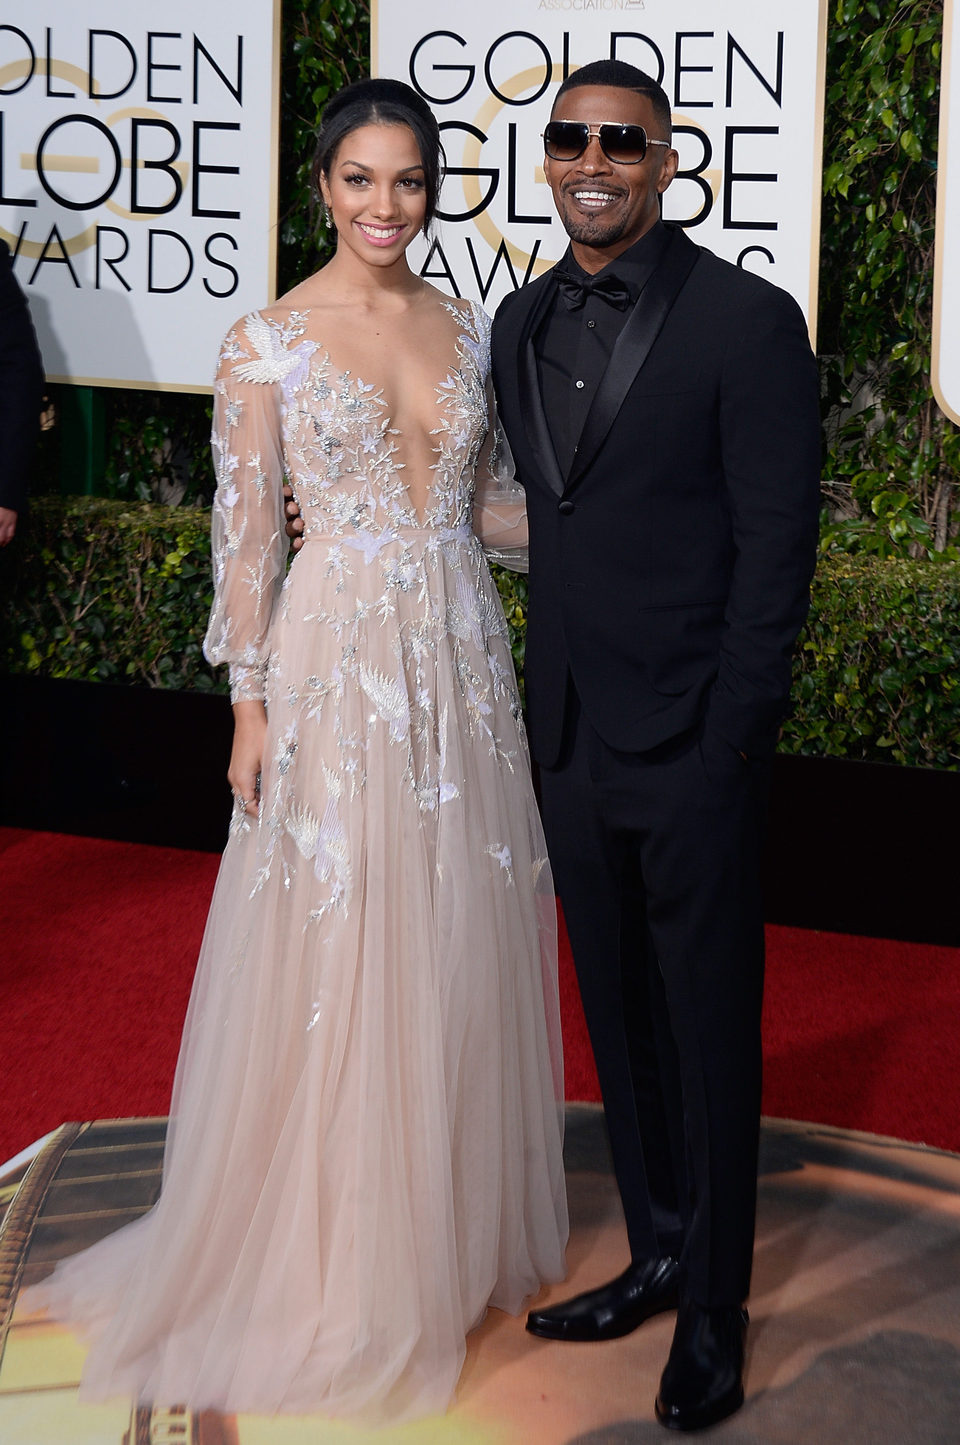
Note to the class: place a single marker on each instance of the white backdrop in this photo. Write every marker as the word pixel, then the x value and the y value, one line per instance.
pixel 946 299
pixel 138 159
pixel 745 81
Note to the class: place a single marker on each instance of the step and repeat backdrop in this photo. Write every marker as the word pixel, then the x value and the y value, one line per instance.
pixel 139 152
pixel 745 82
pixel 138 179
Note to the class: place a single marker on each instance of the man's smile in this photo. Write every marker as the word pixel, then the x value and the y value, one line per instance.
pixel 591 198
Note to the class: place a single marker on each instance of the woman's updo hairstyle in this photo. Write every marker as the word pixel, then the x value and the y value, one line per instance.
pixel 382 102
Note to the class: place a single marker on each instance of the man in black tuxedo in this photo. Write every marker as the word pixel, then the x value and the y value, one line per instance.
pixel 662 408
pixel 21 386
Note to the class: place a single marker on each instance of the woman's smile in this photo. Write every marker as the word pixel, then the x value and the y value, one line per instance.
pixel 380 235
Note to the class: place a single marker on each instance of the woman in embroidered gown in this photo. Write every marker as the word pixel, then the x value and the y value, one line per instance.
pixel 365 1141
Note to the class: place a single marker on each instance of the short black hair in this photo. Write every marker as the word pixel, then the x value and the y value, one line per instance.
pixel 621 76
pixel 379 101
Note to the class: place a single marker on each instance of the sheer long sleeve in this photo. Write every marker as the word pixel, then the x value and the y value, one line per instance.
pixel 499 501
pixel 247 531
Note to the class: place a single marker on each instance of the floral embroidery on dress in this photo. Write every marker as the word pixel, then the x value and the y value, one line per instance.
pixel 398 596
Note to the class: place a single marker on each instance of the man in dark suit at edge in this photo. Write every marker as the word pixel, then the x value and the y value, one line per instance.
pixel 21 387
pixel 662 408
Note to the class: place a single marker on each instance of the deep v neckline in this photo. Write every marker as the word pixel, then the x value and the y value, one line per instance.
pixel 467 349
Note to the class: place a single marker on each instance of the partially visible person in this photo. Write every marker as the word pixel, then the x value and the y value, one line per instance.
pixel 21 386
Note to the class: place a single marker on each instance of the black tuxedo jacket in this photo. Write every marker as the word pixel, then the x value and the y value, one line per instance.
pixel 21 387
pixel 670 567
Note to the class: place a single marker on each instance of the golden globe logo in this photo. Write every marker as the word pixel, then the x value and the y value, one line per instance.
pixel 157 157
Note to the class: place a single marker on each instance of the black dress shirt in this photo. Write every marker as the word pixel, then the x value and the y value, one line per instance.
pixel 573 346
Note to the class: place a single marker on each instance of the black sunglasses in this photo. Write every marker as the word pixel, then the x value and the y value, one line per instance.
pixel 625 145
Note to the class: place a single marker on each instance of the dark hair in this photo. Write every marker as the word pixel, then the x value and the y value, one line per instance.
pixel 381 102
pixel 621 76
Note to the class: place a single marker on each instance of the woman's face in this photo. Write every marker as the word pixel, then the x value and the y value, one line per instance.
pixel 375 190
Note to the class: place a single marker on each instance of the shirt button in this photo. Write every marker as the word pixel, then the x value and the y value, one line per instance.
pixel 591 324
pixel 579 386
pixel 565 508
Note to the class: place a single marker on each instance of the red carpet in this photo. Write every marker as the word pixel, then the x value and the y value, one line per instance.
pixel 99 940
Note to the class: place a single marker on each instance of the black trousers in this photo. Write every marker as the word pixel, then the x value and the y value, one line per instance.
pixel 656 860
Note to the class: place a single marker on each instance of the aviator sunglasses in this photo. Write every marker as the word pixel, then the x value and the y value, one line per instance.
pixel 625 145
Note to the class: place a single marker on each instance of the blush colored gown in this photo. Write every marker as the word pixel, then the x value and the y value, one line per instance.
pixel 365 1140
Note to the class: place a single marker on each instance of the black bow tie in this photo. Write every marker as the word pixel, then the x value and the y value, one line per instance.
pixel 576 289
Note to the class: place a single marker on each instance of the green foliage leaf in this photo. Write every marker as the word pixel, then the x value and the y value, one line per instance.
pixel 912 146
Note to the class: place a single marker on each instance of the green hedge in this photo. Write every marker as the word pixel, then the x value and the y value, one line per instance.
pixel 109 591
pixel 106 591
pixel 877 670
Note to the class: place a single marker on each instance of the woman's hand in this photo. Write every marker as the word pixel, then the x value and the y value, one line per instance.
pixel 243 774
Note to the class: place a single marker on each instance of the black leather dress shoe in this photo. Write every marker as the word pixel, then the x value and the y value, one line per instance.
pixel 703 1381
pixel 614 1309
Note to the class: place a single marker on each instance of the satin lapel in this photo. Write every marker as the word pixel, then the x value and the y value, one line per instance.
pixel 633 347
pixel 533 416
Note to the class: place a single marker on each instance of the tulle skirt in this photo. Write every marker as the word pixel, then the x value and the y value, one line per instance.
pixel 365 1142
